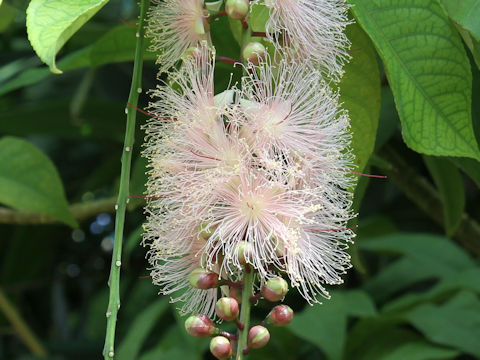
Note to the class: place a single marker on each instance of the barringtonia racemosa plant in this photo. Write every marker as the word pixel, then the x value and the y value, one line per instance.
pixel 311 30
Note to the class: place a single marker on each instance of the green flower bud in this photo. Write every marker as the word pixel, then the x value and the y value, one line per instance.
pixel 275 289
pixel 200 326
pixel 258 336
pixel 280 315
pixel 237 9
pixel 203 279
pixel 244 249
pixel 253 52
pixel 227 308
pixel 220 347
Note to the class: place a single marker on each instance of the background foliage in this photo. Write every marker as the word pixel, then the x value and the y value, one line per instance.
pixel 413 93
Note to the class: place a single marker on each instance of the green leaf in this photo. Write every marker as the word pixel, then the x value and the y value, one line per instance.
pixel 431 257
pixel 449 183
pixel 140 329
pixel 326 325
pixel 30 182
pixel 360 94
pixel 463 280
pixel 466 13
pixel 397 344
pixel 420 350
pixel 470 167
pixel 456 323
pixel 50 23
pixel 422 246
pixel 429 73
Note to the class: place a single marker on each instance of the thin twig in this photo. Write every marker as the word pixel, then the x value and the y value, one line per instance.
pixel 80 211
pixel 21 328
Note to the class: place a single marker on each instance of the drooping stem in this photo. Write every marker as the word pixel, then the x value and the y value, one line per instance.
pixel 248 276
pixel 21 327
pixel 114 280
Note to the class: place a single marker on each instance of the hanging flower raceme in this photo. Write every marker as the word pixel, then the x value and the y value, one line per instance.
pixel 311 30
pixel 174 26
pixel 254 177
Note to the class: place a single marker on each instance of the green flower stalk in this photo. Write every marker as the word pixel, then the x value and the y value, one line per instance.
pixel 122 200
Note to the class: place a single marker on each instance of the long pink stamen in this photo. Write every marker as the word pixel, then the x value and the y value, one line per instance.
pixel 227 60
pixel 204 156
pixel 361 174
pixel 349 228
pixel 147 197
pixel 148 114
pixel 127 23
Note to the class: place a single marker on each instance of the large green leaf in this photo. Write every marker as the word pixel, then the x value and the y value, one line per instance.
pixel 326 325
pixel 360 94
pixel 30 182
pixel 449 183
pixel 456 323
pixel 428 70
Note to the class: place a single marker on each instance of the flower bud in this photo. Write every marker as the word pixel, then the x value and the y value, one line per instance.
pixel 275 289
pixel 199 326
pixel 244 249
pixel 237 9
pixel 253 52
pixel 280 315
pixel 220 347
pixel 258 336
pixel 227 308
pixel 203 279
pixel 236 294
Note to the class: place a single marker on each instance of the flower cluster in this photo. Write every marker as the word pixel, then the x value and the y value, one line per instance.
pixel 252 180
pixel 265 165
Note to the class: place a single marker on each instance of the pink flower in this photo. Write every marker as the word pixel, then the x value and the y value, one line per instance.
pixel 311 29
pixel 174 26
pixel 296 125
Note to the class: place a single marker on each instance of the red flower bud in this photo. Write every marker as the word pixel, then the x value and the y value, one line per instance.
pixel 227 308
pixel 275 289
pixel 220 347
pixel 200 326
pixel 237 9
pixel 280 315
pixel 258 336
pixel 203 279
